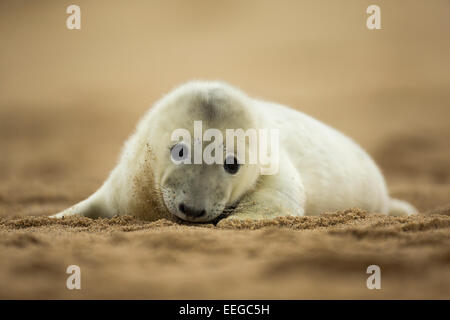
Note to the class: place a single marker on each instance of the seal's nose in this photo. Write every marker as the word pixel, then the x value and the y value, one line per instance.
pixel 190 212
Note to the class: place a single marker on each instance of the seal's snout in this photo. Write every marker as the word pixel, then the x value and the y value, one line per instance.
pixel 191 212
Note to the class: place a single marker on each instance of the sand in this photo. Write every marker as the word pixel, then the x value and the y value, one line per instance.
pixel 290 258
pixel 69 100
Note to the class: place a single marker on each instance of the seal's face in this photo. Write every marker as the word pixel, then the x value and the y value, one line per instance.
pixel 200 191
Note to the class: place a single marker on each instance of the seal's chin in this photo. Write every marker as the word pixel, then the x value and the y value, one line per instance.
pixel 200 219
pixel 225 212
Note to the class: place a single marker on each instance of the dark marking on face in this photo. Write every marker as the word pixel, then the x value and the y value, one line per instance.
pixel 212 104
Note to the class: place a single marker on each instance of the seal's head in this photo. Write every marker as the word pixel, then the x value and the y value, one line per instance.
pixel 199 175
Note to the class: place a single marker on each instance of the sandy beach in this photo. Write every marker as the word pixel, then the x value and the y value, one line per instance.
pixel 70 98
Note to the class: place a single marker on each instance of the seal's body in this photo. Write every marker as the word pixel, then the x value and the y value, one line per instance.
pixel 320 169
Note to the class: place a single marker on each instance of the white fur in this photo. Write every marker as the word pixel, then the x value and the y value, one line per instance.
pixel 320 169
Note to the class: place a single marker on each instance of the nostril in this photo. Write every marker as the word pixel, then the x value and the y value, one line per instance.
pixel 191 211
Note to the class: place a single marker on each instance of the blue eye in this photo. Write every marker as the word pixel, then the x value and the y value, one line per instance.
pixel 231 165
pixel 179 152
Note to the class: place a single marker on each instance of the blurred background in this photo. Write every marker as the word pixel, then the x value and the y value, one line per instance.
pixel 69 98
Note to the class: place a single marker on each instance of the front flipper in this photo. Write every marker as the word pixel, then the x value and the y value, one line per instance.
pixel 93 207
pixel 276 195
